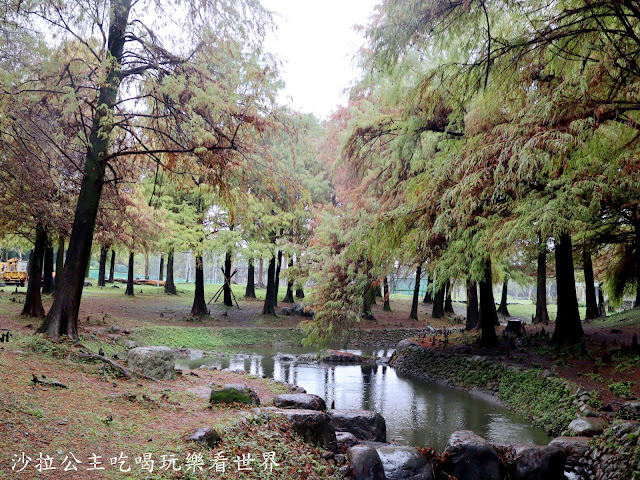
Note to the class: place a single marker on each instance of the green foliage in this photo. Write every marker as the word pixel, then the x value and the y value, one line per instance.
pixel 341 274
pixel 470 136
pixel 594 376
pixel 621 389
pixel 626 363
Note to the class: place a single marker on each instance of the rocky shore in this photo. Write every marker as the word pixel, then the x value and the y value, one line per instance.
pixel 597 444
pixel 385 337
pixel 590 443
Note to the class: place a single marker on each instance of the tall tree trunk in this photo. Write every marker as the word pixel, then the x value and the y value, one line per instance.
pixel 47 279
pixel 416 294
pixel 299 292
pixel 187 272
pixel 542 316
pixel 269 307
pixel 637 261
pixel 199 302
pixel 112 267
pixel 428 297
pixel 503 309
pixel 261 273
pixel 63 315
pixel 103 265
pixel 129 290
pixel 161 272
pixel 488 337
pixel 590 288
pixel 568 327
pixel 448 304
pixel 33 300
pixel 59 262
pixel 438 303
pixel 169 286
pixel 473 315
pixel 226 288
pixel 277 279
pixel 368 300
pixel 387 304
pixel 87 272
pixel 146 265
pixel 602 310
pixel 250 292
pixel 288 298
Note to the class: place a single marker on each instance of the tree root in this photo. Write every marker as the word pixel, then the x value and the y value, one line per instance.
pixel 46 383
pixel 123 371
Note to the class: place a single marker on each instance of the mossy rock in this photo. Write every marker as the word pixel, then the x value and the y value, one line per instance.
pixel 232 393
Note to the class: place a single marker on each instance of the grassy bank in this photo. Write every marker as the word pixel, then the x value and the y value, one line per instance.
pixel 215 339
pixel 102 414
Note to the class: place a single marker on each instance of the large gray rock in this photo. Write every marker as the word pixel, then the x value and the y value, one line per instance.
pixel 406 343
pixel 587 426
pixel 365 464
pixel 473 457
pixel 313 426
pixel 305 401
pixel 622 429
pixel 404 463
pixel 155 362
pixel 205 436
pixel 364 424
pixel 233 393
pixel 535 462
pixel 574 448
pixel 630 410
pixel 345 441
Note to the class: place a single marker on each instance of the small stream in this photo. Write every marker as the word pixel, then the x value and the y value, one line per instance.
pixel 417 412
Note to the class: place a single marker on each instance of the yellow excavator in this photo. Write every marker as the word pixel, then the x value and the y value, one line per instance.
pixel 14 272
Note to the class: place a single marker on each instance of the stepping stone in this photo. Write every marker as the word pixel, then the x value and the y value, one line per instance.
pixel 364 424
pixel 365 464
pixel 473 457
pixel 305 401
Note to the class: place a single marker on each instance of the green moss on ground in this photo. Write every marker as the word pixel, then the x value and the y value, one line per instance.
pixel 223 395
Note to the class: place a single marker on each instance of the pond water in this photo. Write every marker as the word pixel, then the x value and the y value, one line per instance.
pixel 417 412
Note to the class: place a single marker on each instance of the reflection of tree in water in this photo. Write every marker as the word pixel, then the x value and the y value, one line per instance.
pixel 268 367
pixel 256 367
pixel 329 379
pixel 368 371
pixel 286 371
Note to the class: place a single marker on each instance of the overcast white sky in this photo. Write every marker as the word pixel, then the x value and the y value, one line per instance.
pixel 316 44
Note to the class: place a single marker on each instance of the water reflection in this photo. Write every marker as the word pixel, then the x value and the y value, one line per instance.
pixel 417 412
